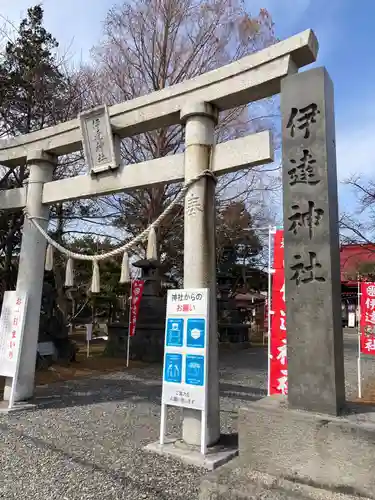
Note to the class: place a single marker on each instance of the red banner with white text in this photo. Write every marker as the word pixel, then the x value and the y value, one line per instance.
pixel 278 373
pixel 135 300
pixel 367 320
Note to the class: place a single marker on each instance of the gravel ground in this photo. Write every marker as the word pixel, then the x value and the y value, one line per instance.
pixel 85 439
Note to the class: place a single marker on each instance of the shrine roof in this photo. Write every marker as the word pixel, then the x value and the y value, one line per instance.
pixel 353 255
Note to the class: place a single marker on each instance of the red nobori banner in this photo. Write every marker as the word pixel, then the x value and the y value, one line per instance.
pixel 367 320
pixel 136 296
pixel 278 373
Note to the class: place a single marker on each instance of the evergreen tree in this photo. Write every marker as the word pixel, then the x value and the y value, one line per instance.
pixel 238 247
pixel 34 93
pixel 32 86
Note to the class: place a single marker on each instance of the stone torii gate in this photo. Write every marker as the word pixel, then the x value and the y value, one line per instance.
pixel 196 104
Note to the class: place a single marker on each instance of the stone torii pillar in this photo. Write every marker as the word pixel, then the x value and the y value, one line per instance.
pixel 200 252
pixel 31 270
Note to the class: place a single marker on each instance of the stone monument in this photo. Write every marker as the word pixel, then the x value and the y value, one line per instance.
pixel 310 445
pixel 118 325
pixel 148 341
pixel 52 327
pixel 312 251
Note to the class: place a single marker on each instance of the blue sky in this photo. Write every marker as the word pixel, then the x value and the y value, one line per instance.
pixel 76 24
pixel 346 36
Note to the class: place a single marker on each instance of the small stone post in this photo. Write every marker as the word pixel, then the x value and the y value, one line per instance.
pixel 200 254
pixel 31 271
pixel 312 255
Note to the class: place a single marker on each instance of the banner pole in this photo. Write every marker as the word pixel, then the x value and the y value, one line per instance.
pixel 204 414
pixel 130 311
pixel 359 340
pixel 88 336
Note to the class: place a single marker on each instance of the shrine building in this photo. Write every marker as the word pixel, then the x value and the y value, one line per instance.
pixel 357 262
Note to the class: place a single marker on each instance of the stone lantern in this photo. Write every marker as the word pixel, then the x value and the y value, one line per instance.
pixel 148 341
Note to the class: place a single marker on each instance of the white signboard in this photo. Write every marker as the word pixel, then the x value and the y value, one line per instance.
pixel 12 321
pixel 185 366
pixel 12 324
pixel 185 354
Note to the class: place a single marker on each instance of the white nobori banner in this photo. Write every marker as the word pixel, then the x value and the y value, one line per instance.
pixel 12 324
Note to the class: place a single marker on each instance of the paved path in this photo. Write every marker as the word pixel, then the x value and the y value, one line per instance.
pixel 85 440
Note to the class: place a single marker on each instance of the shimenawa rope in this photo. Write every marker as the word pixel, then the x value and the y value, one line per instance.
pixel 149 232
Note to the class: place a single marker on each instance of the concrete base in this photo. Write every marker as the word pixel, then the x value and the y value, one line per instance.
pixel 286 451
pixel 216 455
pixel 20 406
pixel 236 481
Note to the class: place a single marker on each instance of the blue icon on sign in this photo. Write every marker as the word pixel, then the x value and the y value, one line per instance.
pixel 194 374
pixel 173 368
pixel 196 332
pixel 175 332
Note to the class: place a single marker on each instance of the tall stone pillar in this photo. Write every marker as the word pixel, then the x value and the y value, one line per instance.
pixel 311 232
pixel 200 254
pixel 31 271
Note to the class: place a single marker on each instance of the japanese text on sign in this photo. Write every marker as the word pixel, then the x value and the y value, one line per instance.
pixel 302 119
pixel 278 374
pixel 367 319
pixel 135 301
pixel 184 372
pixel 305 215
pixel 11 331
pixel 101 148
pixel 187 302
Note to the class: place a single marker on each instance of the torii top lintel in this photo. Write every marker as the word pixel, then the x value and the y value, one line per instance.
pixel 249 79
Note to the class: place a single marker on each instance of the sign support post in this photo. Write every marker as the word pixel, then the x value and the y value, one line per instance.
pixel 205 409
pixel 271 231
pixel 89 328
pixel 163 421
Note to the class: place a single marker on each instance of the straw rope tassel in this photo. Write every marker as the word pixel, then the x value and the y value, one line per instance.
pixel 152 252
pixel 48 265
pixel 69 273
pixel 125 271
pixel 95 284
